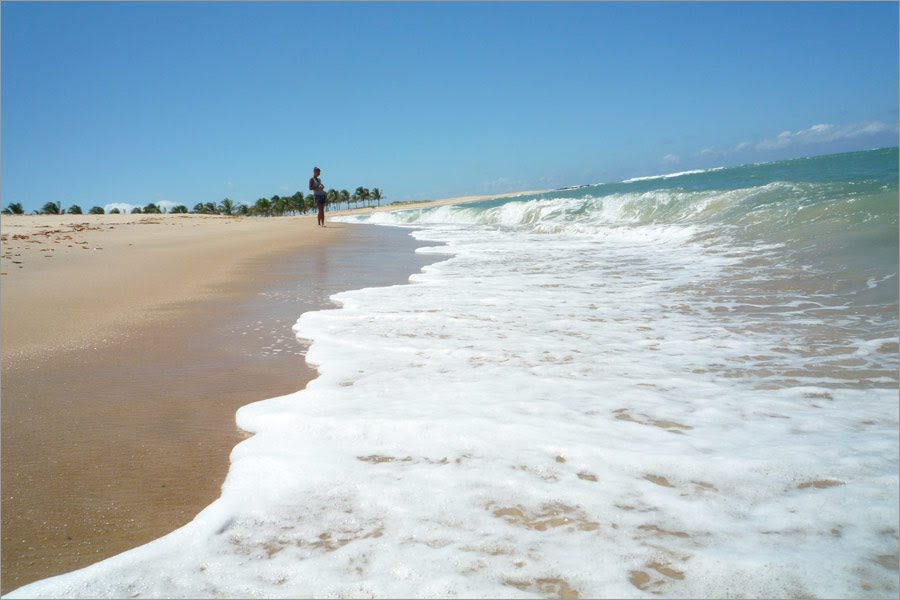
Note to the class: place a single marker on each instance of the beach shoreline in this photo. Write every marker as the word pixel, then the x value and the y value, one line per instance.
pixel 129 341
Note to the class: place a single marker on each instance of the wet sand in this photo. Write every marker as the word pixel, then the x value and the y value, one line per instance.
pixel 128 344
pixel 118 398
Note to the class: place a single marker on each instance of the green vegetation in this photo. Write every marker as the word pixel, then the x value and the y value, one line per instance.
pixel 52 208
pixel 275 206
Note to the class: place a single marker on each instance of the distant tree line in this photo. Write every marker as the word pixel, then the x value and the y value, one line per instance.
pixel 275 206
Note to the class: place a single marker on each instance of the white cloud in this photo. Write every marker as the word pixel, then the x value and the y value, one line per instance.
pixel 820 134
pixel 123 207
pixel 126 208
pixel 671 159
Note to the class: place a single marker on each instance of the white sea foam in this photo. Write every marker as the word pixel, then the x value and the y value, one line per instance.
pixel 672 175
pixel 560 406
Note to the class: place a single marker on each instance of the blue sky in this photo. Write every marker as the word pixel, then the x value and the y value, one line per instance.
pixel 187 102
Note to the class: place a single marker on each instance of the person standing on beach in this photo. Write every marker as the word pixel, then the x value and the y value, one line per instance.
pixel 315 184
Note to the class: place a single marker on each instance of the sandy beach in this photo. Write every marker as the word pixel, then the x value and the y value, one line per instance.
pixel 129 341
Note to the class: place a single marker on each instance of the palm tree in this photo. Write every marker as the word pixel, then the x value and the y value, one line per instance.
pixel 263 207
pixel 14 208
pixel 279 205
pixel 151 209
pixel 226 207
pixel 345 197
pixel 74 210
pixel 97 210
pixel 206 208
pixel 180 209
pixel 376 195
pixel 298 203
pixel 52 208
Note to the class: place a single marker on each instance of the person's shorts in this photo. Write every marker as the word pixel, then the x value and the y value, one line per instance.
pixel 320 200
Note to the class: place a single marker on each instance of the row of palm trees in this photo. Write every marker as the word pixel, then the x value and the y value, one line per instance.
pixel 264 207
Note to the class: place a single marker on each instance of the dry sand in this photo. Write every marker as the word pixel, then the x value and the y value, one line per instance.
pixel 128 343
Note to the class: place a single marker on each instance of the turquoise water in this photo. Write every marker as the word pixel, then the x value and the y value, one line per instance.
pixel 840 207
pixel 811 246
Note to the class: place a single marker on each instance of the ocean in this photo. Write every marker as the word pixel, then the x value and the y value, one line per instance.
pixel 679 386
